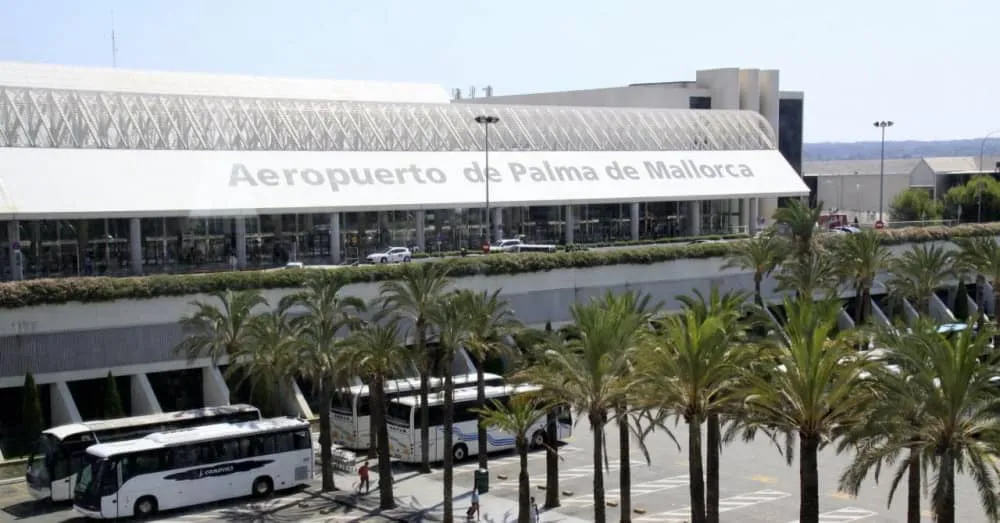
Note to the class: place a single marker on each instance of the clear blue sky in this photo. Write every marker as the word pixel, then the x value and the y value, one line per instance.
pixel 927 64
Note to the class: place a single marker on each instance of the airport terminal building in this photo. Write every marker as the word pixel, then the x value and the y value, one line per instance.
pixel 109 171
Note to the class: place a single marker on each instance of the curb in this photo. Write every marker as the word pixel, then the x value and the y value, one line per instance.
pixel 11 481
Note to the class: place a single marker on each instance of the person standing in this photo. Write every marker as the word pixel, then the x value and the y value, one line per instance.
pixel 533 515
pixel 363 478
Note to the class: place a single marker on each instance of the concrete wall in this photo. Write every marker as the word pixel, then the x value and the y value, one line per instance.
pixel 858 192
pixel 652 96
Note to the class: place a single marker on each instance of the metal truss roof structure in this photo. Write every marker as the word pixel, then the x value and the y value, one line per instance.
pixel 55 118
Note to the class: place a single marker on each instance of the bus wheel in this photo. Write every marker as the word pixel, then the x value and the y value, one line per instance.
pixel 145 507
pixel 460 452
pixel 538 440
pixel 262 487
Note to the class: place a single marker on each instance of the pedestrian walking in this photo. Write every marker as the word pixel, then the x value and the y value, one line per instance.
pixel 473 511
pixel 363 478
pixel 533 515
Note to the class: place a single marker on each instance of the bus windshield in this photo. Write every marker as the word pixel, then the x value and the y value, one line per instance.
pixel 87 479
pixel 398 414
pixel 44 456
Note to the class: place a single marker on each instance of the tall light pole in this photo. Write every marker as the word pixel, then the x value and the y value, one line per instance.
pixel 982 149
pixel 486 120
pixel 883 125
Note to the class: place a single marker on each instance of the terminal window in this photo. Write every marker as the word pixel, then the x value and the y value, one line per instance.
pixel 700 102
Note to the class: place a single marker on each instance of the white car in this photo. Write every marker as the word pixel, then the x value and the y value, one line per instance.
pixel 391 255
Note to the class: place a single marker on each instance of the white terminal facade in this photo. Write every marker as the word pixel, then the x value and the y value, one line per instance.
pixel 109 171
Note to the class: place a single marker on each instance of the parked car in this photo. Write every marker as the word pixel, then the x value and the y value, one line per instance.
pixel 391 255
pixel 850 229
pixel 518 245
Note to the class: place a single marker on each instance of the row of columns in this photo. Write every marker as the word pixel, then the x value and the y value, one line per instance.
pixel 747 210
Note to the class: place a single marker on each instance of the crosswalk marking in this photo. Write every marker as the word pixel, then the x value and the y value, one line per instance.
pixel 574 473
pixel 642 489
pixel 725 505
pixel 844 515
pixel 473 465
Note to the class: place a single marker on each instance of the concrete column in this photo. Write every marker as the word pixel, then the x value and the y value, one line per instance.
pixel 143 398
pixel 497 223
pixel 694 218
pixel 63 407
pixel 752 224
pixel 213 387
pixel 295 403
pixel 14 251
pixel 420 217
pixel 135 246
pixel 335 255
pixel 634 220
pixel 240 224
pixel 570 224
pixel 745 218
pixel 36 239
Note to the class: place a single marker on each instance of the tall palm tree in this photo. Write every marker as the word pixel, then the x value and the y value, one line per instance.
pixel 982 255
pixel 685 371
pixel 452 322
pixel 517 417
pixel 729 308
pixel 586 373
pixel 491 325
pixel 859 259
pixel 762 255
pixel 377 353
pixel 219 331
pixel 327 316
pixel 817 389
pixel 919 272
pixel 809 274
pixel 267 362
pixel 955 425
pixel 419 287
pixel 800 221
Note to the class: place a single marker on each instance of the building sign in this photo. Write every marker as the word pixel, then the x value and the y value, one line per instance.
pixel 80 182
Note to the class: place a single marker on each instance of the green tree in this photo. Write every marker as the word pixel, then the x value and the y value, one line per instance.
pixel 961 301
pixel 800 221
pixel 810 274
pixel 220 330
pixel 112 408
pixel 917 273
pixel 816 389
pixel 982 256
pixel 980 192
pixel 32 417
pixel 267 361
pixel 762 255
pixel 376 353
pixel 859 259
pixel 517 417
pixel 915 204
pixel 419 287
pixel 327 315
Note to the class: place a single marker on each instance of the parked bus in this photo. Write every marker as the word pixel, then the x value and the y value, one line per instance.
pixel 181 468
pixel 403 420
pixel 58 454
pixel 350 417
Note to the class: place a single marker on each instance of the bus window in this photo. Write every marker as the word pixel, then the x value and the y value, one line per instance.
pixel 302 440
pixel 343 402
pixel 109 478
pixel 399 413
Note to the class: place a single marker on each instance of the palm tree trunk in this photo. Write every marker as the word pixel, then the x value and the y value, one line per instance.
pixel 372 433
pixel 446 451
pixel 385 495
pixel 325 439
pixel 551 461
pixel 944 507
pixel 523 482
pixel 808 478
pixel 625 467
pixel 481 404
pixel 425 392
pixel 597 427
pixel 696 483
pixel 758 297
pixel 913 487
pixel 996 305
pixel 866 303
pixel 713 446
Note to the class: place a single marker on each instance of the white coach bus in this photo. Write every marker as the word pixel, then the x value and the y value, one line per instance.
pixel 350 417
pixel 170 470
pixel 403 420
pixel 58 455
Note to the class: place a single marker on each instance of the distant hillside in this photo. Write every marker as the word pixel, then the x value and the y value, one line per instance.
pixel 903 149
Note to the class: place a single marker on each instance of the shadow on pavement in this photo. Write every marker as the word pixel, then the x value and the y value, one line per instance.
pixel 32 508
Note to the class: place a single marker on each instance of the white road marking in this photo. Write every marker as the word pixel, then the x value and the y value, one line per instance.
pixel 642 489
pixel 573 473
pixel 725 505
pixel 473 465
pixel 844 515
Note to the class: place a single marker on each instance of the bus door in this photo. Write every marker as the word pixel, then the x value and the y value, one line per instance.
pixel 363 421
pixel 109 489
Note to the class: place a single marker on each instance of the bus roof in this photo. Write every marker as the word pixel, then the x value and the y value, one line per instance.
pixel 413 384
pixel 63 431
pixel 174 438
pixel 467 394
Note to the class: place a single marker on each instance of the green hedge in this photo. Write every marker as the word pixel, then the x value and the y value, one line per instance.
pixel 585 246
pixel 101 289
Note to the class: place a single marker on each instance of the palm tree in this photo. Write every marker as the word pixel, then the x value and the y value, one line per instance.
pixel 952 424
pixel 267 361
pixel 811 273
pixel 219 331
pixel 982 255
pixel 762 255
pixel 918 272
pixel 491 324
pixel 817 389
pixel 517 417
pixel 419 287
pixel 377 353
pixel 327 315
pixel 800 220
pixel 860 258
pixel 452 322
pixel 586 373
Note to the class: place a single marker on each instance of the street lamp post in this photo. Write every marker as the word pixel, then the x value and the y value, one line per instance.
pixel 982 149
pixel 486 120
pixel 883 125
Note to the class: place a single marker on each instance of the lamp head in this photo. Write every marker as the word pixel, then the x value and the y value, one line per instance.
pixel 487 119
